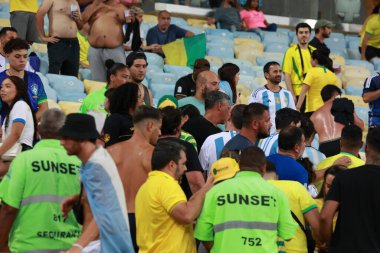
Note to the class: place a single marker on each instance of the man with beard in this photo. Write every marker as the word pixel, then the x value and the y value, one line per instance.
pixel 297 61
pixel 206 81
pixel 137 63
pixel 323 29
pixel 291 144
pixel 105 43
pixel 271 94
pixel 133 157
pixel 256 125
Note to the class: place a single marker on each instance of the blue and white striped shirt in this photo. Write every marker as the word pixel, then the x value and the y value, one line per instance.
pixel 270 144
pixel 274 100
pixel 212 147
pixel 315 156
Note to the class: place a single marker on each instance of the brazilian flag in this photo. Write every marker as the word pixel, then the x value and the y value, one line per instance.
pixel 184 52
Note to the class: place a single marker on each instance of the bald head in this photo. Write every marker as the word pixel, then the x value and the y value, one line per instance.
pixel 207 81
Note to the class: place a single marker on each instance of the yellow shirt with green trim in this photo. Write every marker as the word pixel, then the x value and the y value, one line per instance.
pixel 373 30
pixel 316 79
pixel 94 101
pixel 23 5
pixel 185 136
pixel 328 162
pixel 300 202
pixel 36 183
pixel 157 231
pixel 84 45
pixel 291 64
pixel 245 214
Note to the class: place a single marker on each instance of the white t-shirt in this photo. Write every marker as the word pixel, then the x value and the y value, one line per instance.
pixel 274 100
pixel 20 113
pixel 212 147
pixel 4 61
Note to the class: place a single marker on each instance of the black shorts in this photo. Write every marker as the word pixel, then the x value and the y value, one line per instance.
pixel 330 148
pixel 371 52
pixel 132 228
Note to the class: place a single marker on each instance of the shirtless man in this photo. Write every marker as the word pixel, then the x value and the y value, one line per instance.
pixel 63 46
pixel 328 130
pixel 106 19
pixel 133 157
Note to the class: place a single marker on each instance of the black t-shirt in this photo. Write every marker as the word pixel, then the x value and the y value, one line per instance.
pixel 192 163
pixel 358 226
pixel 185 86
pixel 117 128
pixel 200 128
pixel 324 49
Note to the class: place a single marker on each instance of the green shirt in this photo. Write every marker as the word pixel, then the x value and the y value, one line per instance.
pixel 193 101
pixel 36 183
pixel 245 214
pixel 94 101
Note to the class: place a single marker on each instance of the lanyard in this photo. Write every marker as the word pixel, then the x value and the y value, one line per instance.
pixel 302 64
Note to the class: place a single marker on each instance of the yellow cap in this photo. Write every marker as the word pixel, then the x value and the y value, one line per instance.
pixel 224 168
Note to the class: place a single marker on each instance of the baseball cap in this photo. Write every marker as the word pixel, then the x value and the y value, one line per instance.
pixel 323 23
pixel 167 100
pixel 224 168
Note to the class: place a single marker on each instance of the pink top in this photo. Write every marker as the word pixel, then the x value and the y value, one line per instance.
pixel 253 18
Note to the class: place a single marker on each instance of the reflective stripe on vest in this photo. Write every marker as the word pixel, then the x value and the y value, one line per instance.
pixel 42 198
pixel 245 224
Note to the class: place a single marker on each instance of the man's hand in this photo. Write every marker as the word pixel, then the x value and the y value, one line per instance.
pixel 344 161
pixel 50 39
pixel 67 204
pixel 75 16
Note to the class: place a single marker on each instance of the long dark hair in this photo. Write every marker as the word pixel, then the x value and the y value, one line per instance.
pixel 227 73
pixel 21 94
pixel 112 68
pixel 248 6
pixel 124 98
pixel 333 170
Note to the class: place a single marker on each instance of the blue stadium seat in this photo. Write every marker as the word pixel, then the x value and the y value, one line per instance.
pixel 214 67
pixel 160 90
pixel 215 39
pixel 194 29
pixel 362 112
pixel 377 65
pixel 276 47
pixel 154 59
pixel 44 66
pixel 5 15
pixel 354 90
pixel 353 54
pixel 247 35
pixel 366 64
pixel 270 37
pixel 335 43
pixel 246 67
pixel 249 81
pixel 221 51
pixel 51 94
pixel 145 27
pixel 283 30
pixel 85 74
pixel 44 80
pixel 178 21
pixel 354 44
pixel 152 69
pixel 177 70
pixel 261 61
pixel 163 78
pixel 4 7
pixel 220 32
pixel 337 35
pixel 65 84
pixel 72 97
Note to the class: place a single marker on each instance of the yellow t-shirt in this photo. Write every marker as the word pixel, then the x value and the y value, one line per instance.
pixel 23 5
pixel 300 202
pixel 292 65
pixel 373 30
pixel 328 162
pixel 157 231
pixel 316 79
pixel 84 46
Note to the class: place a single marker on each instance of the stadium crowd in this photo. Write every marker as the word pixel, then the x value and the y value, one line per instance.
pixel 290 168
